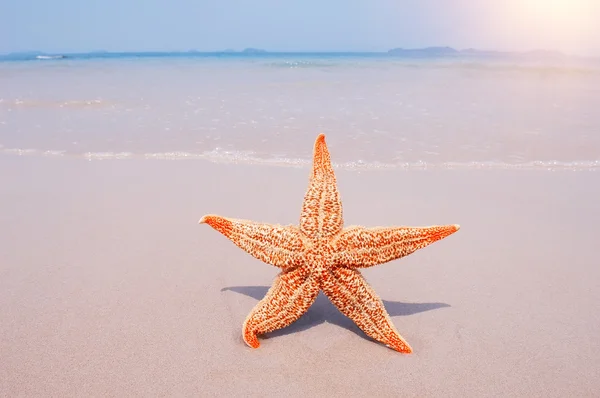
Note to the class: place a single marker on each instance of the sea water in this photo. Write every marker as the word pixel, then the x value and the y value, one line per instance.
pixel 377 111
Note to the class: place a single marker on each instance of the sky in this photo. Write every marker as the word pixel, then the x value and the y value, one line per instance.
pixel 299 25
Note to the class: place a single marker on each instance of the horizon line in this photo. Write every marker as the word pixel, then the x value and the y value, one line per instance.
pixel 249 51
pixel 257 50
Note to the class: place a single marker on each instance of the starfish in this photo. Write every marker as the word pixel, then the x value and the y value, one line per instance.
pixel 320 254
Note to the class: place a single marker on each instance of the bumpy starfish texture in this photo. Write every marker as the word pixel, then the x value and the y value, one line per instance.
pixel 320 254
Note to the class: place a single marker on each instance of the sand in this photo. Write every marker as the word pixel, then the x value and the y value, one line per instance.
pixel 109 287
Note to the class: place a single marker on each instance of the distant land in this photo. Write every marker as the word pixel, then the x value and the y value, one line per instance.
pixel 231 51
pixel 426 52
pixel 449 51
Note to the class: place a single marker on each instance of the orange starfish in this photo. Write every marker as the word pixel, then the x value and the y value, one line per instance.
pixel 320 254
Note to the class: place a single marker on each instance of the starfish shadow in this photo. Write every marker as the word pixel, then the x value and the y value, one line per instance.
pixel 323 310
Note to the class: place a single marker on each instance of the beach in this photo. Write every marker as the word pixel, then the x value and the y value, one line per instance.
pixel 110 287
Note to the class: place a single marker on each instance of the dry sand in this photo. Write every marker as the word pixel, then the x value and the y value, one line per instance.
pixel 109 287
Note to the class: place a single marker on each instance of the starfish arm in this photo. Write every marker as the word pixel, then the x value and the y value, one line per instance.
pixel 277 245
pixel 352 295
pixel 322 208
pixel 360 247
pixel 287 300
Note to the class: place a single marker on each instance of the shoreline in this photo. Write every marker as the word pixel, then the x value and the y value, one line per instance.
pixel 249 159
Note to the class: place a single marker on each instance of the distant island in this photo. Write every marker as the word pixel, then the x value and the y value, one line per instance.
pixel 249 50
pixel 438 52
pixel 452 52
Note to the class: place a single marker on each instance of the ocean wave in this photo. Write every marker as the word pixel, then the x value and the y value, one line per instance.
pixel 107 155
pixel 50 57
pixel 573 68
pixel 300 64
pixel 539 69
pixel 33 103
pixel 250 158
pixel 30 152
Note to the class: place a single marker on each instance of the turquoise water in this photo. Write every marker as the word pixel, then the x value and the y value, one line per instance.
pixel 378 110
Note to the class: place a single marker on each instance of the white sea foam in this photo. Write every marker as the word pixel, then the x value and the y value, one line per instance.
pixel 36 103
pixel 107 155
pixel 50 57
pixel 250 158
pixel 53 153
pixel 19 151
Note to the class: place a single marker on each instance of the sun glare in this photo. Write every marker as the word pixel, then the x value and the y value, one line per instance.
pixel 565 13
pixel 556 23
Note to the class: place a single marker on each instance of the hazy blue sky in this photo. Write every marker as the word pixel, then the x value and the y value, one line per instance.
pixel 298 25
